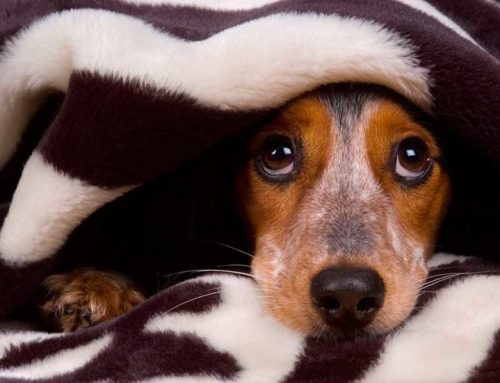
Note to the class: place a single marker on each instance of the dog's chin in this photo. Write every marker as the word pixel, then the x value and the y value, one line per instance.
pixel 338 335
pixel 309 323
pixel 331 333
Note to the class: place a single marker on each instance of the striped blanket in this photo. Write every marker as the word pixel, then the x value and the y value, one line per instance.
pixel 215 329
pixel 101 97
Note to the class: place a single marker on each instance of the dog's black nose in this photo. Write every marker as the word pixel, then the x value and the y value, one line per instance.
pixel 347 298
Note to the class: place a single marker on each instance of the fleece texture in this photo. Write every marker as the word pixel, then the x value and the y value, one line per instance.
pixel 105 105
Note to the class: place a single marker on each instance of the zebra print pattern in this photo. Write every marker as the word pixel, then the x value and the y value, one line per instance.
pixel 150 84
pixel 215 329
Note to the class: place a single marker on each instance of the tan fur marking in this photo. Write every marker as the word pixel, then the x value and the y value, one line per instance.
pixel 271 209
pixel 419 209
pixel 269 205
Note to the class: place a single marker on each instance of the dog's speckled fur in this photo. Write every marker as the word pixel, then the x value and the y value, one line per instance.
pixel 344 206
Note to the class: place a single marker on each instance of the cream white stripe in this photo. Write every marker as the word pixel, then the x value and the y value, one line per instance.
pixel 447 340
pixel 429 10
pixel 60 363
pixel 265 349
pixel 199 378
pixel 221 5
pixel 46 207
pixel 258 64
pixel 13 339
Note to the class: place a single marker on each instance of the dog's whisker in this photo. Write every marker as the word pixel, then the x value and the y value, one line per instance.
pixel 434 278
pixel 473 272
pixel 448 276
pixel 235 265
pixel 218 291
pixel 228 272
pixel 232 248
pixel 211 271
pixel 322 331
pixel 194 271
pixel 437 282
pixel 444 267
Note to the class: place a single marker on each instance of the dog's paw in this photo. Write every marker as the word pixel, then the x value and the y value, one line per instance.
pixel 84 298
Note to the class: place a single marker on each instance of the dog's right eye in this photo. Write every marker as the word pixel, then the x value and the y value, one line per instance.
pixel 277 157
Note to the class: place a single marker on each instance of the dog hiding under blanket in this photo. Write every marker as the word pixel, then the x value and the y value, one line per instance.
pixel 343 191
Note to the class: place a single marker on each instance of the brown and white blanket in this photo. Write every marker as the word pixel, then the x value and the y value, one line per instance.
pixel 101 97
pixel 215 329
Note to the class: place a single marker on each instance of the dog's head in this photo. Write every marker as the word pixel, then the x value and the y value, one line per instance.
pixel 344 192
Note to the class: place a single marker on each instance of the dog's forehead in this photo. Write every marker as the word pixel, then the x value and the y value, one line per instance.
pixel 347 106
pixel 350 109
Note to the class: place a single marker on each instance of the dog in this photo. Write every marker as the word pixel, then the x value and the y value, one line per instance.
pixel 343 191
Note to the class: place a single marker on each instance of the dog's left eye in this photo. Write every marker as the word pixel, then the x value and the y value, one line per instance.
pixel 277 157
pixel 413 160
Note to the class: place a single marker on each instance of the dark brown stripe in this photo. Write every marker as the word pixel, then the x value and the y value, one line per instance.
pixel 110 133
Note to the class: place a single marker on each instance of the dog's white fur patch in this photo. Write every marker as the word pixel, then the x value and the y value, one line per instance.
pixel 447 340
pixel 301 52
pixel 46 207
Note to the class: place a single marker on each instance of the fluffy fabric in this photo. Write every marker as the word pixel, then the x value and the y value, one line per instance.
pixel 215 329
pixel 99 98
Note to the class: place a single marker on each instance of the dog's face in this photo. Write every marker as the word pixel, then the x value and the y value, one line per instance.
pixel 344 193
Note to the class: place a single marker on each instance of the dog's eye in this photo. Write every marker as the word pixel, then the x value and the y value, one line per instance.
pixel 413 160
pixel 278 156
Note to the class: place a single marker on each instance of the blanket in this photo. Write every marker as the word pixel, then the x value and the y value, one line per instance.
pixel 105 103
pixel 215 329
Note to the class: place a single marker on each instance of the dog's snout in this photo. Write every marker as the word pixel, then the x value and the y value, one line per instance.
pixel 347 298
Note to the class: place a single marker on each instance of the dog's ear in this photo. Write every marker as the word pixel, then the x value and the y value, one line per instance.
pixel 131 298
pixel 55 284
